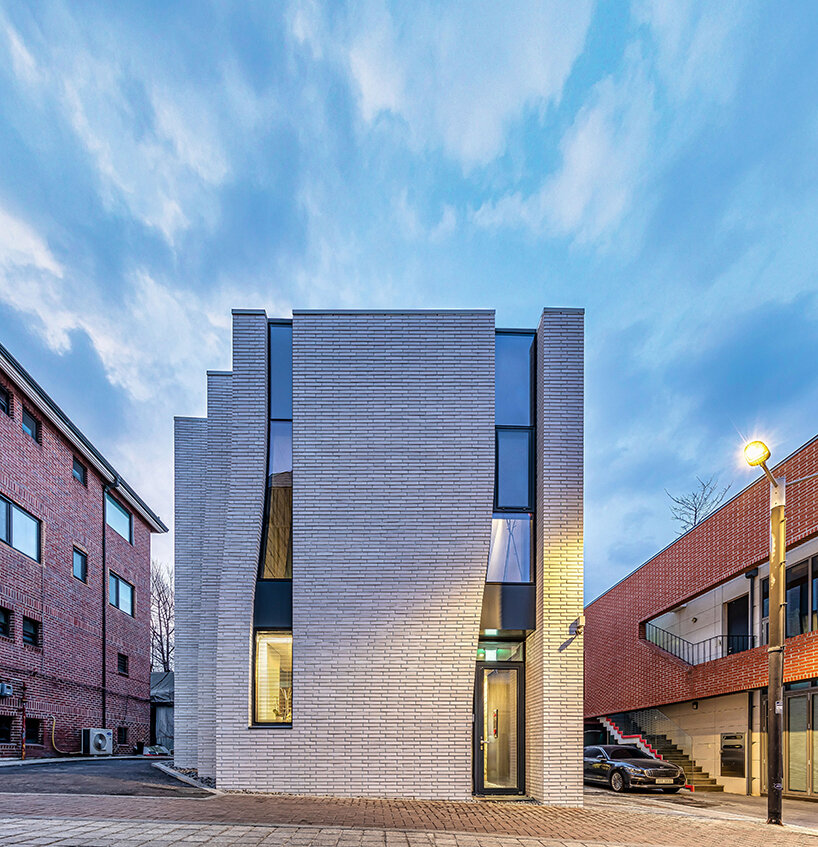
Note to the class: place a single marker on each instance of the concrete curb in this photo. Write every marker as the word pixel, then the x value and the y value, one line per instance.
pixel 161 766
pixel 10 763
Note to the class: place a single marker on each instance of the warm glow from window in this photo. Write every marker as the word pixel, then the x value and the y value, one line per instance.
pixel 274 677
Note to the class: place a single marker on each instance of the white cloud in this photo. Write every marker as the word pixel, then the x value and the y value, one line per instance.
pixel 603 157
pixel 458 76
pixel 698 46
pixel 21 59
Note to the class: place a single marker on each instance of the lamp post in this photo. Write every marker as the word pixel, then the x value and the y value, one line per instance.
pixel 756 453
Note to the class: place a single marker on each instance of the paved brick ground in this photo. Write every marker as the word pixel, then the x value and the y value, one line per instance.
pixel 354 823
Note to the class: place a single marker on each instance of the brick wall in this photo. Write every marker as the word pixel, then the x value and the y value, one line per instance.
pixel 393 478
pixel 554 651
pixel 61 680
pixel 623 672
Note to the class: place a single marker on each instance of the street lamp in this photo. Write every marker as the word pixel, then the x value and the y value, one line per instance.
pixel 756 453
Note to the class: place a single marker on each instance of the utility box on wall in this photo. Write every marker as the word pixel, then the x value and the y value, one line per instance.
pixel 733 756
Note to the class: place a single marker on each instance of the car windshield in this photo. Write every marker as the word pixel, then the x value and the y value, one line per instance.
pixel 627 753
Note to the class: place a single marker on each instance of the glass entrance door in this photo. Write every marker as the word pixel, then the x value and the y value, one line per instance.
pixel 499 754
pixel 801 744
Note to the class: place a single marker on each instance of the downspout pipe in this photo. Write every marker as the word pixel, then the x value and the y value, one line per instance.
pixel 112 486
pixel 105 489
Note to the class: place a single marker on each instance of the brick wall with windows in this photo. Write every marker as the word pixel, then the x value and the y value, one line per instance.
pixel 60 674
pixel 624 672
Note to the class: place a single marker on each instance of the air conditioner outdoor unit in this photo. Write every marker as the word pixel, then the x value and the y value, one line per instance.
pixel 97 742
pixel 6 689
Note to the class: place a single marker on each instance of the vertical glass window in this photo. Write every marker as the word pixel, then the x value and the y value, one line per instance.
pixel 79 471
pixel 80 565
pixel 512 379
pixel 815 623
pixel 280 459
pixel 120 593
pixel 796 739
pixel 30 425
pixel 510 549
pixel 281 370
pixel 513 470
pixel 278 549
pixel 118 518
pixel 5 401
pixel 274 678
pixel 797 600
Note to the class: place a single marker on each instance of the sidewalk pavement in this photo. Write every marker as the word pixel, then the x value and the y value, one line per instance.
pixel 252 819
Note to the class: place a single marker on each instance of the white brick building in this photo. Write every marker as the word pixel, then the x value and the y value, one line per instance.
pixel 338 629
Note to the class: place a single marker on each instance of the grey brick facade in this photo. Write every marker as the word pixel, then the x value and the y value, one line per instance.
pixel 393 479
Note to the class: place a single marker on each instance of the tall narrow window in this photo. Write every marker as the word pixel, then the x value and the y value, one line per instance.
pixel 79 471
pixel 274 678
pixel 513 364
pixel 30 425
pixel 5 401
pixel 80 567
pixel 514 468
pixel 276 555
pixel 118 518
pixel 5 622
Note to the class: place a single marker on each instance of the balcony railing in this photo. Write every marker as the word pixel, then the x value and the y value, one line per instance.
pixel 697 652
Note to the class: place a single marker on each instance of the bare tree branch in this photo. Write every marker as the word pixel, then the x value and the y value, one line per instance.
pixel 691 509
pixel 161 617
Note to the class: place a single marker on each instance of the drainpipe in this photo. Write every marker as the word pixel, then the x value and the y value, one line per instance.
pixel 23 710
pixel 105 489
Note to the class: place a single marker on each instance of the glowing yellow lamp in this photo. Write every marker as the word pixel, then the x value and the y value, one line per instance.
pixel 756 453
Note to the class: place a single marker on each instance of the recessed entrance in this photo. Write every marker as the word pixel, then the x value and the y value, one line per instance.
pixel 499 751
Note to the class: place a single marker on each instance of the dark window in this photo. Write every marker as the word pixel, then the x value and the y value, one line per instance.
pixel 797 599
pixel 30 424
pixel 5 729
pixel 513 468
pixel 118 518
pixel 122 735
pixel 815 601
pixel 80 565
pixel 281 370
pixel 512 378
pixel 626 752
pixel 5 401
pixel 120 593
pixel 19 529
pixel 34 733
pixel 5 622
pixel 79 471
pixel 31 632
pixel 122 664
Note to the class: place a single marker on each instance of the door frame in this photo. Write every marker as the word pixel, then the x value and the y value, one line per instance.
pixel 477 732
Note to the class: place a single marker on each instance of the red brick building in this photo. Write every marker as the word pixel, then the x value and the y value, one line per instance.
pixel 74 582
pixel 675 652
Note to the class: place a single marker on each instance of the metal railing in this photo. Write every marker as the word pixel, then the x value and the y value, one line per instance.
pixel 655 724
pixel 697 652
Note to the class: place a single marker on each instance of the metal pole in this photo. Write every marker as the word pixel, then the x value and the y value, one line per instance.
pixel 775 690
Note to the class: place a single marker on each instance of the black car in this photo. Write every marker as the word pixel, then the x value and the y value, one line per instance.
pixel 624 766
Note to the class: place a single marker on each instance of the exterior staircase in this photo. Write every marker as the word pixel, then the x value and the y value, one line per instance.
pixel 662 747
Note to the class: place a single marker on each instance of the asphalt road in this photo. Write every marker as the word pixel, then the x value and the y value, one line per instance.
pixel 128 777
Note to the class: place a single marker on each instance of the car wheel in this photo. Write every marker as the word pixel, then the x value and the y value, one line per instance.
pixel 618 782
pixel 675 790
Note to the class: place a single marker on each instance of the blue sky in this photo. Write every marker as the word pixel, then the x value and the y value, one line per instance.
pixel 653 163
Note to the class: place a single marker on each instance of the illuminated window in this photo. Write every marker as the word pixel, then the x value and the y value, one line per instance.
pixel 274 678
